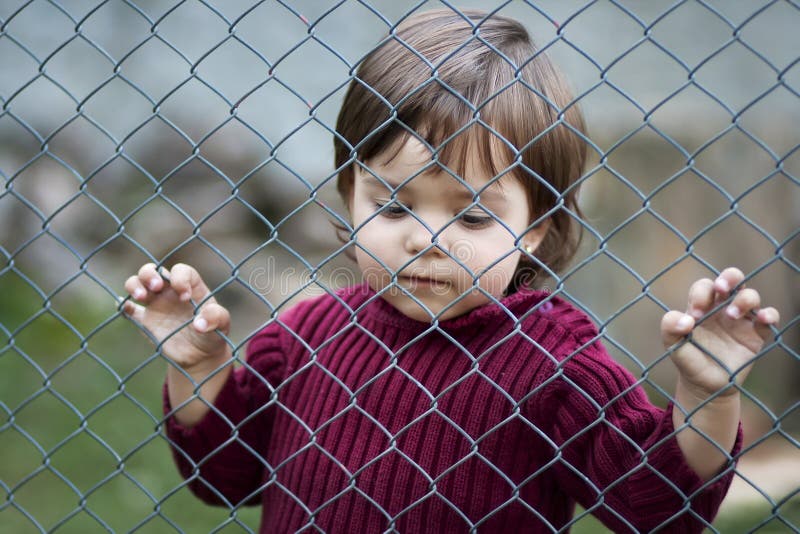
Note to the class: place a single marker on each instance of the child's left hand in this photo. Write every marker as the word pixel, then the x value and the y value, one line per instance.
pixel 734 334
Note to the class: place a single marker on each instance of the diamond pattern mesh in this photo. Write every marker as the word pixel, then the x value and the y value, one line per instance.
pixel 199 132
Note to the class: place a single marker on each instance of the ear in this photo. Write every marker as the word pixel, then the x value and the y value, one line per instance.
pixel 533 237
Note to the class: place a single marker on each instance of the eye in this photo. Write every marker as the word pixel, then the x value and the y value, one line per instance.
pixel 474 221
pixel 392 210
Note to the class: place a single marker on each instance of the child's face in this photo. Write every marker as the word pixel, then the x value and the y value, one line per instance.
pixel 479 241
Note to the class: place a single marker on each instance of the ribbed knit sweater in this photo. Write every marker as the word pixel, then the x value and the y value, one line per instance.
pixel 351 417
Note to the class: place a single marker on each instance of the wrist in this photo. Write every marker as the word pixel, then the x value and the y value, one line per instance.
pixel 699 394
pixel 202 369
pixel 192 389
pixel 689 398
pixel 706 431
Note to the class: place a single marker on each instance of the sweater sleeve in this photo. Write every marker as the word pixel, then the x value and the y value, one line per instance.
pixel 223 456
pixel 617 453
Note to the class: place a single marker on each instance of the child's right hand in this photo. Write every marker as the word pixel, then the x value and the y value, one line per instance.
pixel 165 309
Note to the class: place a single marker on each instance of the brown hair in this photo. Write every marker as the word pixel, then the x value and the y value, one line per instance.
pixel 465 82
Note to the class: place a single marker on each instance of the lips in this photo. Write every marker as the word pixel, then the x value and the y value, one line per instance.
pixel 421 280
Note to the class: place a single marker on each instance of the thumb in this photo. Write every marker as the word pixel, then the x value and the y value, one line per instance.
pixel 212 317
pixel 675 326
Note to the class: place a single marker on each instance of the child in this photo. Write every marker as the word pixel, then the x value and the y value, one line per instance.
pixel 443 394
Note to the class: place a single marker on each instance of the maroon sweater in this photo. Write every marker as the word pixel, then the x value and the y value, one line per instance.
pixel 500 419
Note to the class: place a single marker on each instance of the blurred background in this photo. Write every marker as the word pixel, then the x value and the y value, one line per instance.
pixel 201 132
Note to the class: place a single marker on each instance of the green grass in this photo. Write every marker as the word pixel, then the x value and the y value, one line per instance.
pixel 755 518
pixel 78 435
pixel 80 404
pixel 762 519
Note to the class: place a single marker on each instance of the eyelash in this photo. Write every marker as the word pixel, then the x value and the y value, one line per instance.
pixel 475 222
pixel 392 210
pixel 396 211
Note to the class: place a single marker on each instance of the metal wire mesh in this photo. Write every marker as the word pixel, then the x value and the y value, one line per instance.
pixel 145 131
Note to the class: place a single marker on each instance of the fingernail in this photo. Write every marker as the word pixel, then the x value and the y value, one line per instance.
pixel 139 293
pixel 696 312
pixel 153 284
pixel 685 322
pixel 733 312
pixel 722 284
pixel 186 296
pixel 200 324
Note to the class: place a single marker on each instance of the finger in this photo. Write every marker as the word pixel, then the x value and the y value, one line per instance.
pixel 186 281
pixel 150 278
pixel 701 298
pixel 212 317
pixel 744 301
pixel 768 316
pixel 675 326
pixel 133 311
pixel 766 319
pixel 135 288
pixel 727 280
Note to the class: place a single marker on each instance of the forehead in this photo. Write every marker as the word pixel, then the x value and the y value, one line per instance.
pixel 408 159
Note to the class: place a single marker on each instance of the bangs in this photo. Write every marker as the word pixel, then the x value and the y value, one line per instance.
pixel 468 136
pixel 469 151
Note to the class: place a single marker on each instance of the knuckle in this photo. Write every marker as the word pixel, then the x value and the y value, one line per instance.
pixel 175 271
pixel 217 314
pixel 186 271
pixel 704 284
pixel 750 295
pixel 180 273
pixel 733 272
pixel 147 269
pixel 219 311
pixel 701 293
pixel 184 274
pixel 669 317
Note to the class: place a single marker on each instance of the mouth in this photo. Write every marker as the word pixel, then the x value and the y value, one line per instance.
pixel 421 281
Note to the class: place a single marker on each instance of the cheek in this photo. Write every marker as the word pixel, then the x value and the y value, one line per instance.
pixel 373 234
pixel 484 255
pixel 374 241
pixel 376 273
pixel 496 280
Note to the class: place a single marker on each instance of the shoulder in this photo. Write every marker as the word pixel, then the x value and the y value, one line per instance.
pixel 575 348
pixel 561 327
pixel 580 361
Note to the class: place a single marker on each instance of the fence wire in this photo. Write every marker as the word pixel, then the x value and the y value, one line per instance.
pixel 198 131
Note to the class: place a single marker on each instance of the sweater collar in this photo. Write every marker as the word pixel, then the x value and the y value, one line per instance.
pixel 504 312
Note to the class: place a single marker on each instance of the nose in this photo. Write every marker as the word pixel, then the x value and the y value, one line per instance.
pixel 420 237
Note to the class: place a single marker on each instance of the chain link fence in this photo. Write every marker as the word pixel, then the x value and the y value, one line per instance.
pixel 200 132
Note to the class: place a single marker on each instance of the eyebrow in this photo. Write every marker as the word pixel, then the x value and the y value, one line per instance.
pixel 489 193
pixel 370 179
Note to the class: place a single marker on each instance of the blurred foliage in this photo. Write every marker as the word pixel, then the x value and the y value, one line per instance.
pixel 748 519
pixel 80 439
